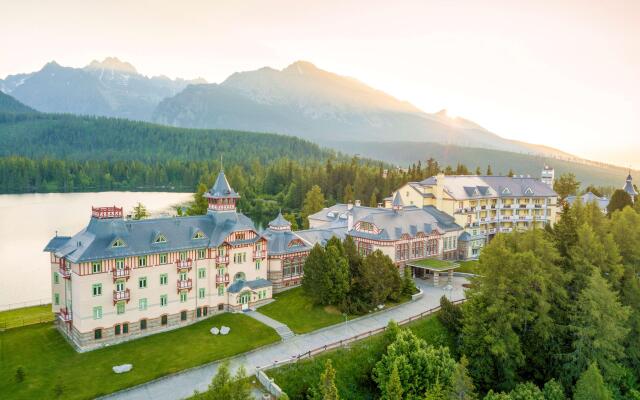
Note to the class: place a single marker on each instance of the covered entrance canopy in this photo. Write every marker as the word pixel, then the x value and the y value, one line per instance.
pixel 431 269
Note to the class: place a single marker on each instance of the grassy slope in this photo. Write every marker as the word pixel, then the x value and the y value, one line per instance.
pixel 404 153
pixel 353 365
pixel 48 359
pixel 25 316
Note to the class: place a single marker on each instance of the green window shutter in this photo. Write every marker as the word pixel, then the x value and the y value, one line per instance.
pixel 56 277
pixel 56 299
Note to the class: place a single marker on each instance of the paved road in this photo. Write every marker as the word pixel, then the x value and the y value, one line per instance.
pixel 182 385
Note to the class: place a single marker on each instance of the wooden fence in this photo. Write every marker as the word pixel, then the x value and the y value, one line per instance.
pixel 275 390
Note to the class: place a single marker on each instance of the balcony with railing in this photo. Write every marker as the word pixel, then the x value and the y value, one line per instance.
pixel 258 254
pixel 121 295
pixel 184 284
pixel 65 272
pixel 184 264
pixel 65 315
pixel 222 259
pixel 222 279
pixel 121 273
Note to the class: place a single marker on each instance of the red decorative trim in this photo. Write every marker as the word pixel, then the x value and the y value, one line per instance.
pixel 106 212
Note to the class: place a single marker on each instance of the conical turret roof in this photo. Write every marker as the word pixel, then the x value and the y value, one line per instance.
pixel 280 223
pixel 221 188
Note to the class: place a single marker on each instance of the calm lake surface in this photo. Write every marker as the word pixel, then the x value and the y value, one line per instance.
pixel 28 221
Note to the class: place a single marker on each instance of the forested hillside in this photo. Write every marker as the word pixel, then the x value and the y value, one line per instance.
pixel 10 105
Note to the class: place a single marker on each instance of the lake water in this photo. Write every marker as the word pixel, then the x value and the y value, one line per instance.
pixel 28 221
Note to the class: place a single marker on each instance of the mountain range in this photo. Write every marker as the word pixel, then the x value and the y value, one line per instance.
pixel 300 100
pixel 111 88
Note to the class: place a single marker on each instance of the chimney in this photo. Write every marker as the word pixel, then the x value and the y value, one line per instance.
pixel 349 205
pixel 358 203
pixel 349 222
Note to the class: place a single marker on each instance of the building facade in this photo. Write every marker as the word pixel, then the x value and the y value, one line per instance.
pixel 120 279
pixel 485 205
pixel 404 233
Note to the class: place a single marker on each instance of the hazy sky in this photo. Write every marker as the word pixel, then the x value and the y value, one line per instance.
pixel 563 74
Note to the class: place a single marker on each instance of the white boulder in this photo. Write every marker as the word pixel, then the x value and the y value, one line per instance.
pixel 225 330
pixel 119 369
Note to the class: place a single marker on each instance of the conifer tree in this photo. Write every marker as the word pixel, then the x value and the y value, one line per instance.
pixel 313 202
pixel 599 329
pixel 140 211
pixel 394 387
pixel 591 386
pixel 328 388
pixel 489 170
pixel 462 387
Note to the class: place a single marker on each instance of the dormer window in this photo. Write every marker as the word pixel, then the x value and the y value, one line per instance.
pixel 199 235
pixel 506 191
pixel 366 226
pixel 296 243
pixel 118 243
pixel 476 192
pixel 160 239
pixel 529 191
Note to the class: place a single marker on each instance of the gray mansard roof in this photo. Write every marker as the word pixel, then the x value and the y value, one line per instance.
pixel 588 197
pixel 393 224
pixel 410 220
pixel 278 242
pixel 462 187
pixel 96 240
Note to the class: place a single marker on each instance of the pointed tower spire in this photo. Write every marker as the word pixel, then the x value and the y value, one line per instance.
pixel 397 204
pixel 221 196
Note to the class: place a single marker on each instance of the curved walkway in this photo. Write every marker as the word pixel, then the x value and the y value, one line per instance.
pixel 181 385
pixel 283 330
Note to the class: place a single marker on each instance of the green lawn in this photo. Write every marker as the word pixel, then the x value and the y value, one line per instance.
pixel 470 266
pixel 433 263
pixel 47 359
pixel 297 311
pixel 353 365
pixel 25 316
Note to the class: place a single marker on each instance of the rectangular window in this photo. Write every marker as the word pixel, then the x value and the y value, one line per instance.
pixel 183 255
pixel 163 320
pixel 97 289
pixel 202 273
pixel 120 308
pixel 117 329
pixel 244 257
pixel 97 334
pixel 163 300
pixel 142 282
pixel 257 265
pixel 164 278
pixel 96 267
pixel 163 258
pixel 183 276
pixel 142 304
pixel 97 312
pixel 183 315
pixel 120 286
pixel 201 293
pixel 142 261
pixel 201 254
pixel 120 263
pixel 220 290
pixel 56 299
pixel 183 297
pixel 125 328
pixel 143 324
pixel 56 277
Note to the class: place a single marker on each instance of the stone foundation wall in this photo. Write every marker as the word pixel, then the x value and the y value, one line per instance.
pixel 84 341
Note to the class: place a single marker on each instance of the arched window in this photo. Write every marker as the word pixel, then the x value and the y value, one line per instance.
pixel 240 276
